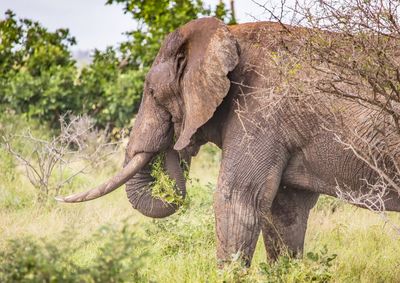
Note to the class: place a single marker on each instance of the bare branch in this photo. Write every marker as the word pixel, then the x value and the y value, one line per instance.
pixel 78 147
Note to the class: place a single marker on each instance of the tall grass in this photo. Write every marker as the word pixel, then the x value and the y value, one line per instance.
pixel 181 248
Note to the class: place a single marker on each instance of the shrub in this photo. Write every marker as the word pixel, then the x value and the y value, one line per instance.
pixel 12 194
pixel 48 161
pixel 29 260
pixel 316 267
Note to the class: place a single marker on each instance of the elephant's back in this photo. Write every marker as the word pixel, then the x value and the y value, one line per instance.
pixel 270 35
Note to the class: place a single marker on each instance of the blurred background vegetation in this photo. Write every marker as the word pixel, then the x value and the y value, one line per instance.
pixel 106 240
pixel 40 79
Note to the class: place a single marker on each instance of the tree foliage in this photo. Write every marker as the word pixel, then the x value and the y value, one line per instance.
pixel 39 77
pixel 37 71
pixel 154 20
pixel 110 94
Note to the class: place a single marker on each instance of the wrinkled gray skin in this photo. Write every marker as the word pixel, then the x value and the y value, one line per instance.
pixel 267 183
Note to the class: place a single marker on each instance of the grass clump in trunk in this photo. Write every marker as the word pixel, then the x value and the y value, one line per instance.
pixel 163 186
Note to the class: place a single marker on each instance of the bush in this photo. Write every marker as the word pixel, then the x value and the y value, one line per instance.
pixel 190 228
pixel 30 260
pixel 316 267
pixel 13 195
pixel 53 163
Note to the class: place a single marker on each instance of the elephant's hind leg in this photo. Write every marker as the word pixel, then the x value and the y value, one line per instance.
pixel 284 227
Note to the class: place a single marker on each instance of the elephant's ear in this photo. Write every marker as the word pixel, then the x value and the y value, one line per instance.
pixel 211 52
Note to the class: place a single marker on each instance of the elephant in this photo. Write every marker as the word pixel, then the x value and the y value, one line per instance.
pixel 201 88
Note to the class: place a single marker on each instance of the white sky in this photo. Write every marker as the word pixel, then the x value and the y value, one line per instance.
pixel 94 24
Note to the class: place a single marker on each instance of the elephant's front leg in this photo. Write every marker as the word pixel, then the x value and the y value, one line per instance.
pixel 284 225
pixel 245 187
pixel 237 226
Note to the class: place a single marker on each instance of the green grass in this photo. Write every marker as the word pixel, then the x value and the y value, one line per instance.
pixel 181 248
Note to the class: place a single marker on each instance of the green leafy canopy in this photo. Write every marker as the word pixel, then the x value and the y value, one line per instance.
pixel 39 77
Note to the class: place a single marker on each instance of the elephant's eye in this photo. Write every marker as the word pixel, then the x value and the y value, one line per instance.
pixel 151 92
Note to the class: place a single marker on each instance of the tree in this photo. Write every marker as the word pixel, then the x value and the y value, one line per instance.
pixel 110 94
pixel 37 72
pixel 155 19
pixel 112 86
pixel 39 77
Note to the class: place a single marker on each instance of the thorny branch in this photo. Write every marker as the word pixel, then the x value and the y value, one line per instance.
pixel 352 48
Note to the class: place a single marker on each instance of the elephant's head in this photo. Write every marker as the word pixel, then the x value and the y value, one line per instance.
pixel 185 85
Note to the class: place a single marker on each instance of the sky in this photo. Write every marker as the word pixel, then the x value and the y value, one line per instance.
pixel 94 24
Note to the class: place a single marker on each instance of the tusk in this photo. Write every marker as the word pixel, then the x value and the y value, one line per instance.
pixel 133 166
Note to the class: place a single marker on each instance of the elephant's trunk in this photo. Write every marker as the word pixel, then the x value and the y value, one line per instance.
pixel 139 190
